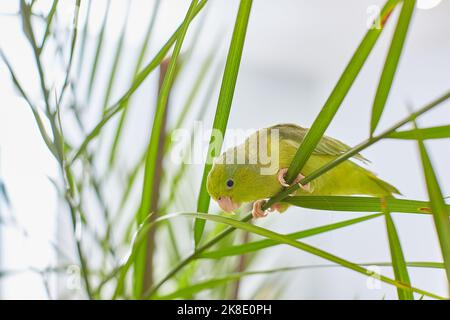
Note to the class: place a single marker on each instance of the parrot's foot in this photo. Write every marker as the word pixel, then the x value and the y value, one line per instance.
pixel 282 172
pixel 258 212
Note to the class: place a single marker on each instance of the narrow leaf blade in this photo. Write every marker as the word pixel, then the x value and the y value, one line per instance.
pixel 338 94
pixel 224 104
pixel 440 132
pixel 398 259
pixel 98 50
pixel 267 243
pixel 360 204
pixel 439 208
pixel 391 63
pixel 154 146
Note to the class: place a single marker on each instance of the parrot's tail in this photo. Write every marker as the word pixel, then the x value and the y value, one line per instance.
pixel 350 179
pixel 368 183
pixel 384 188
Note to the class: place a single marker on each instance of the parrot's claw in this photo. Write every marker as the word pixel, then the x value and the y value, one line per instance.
pixel 275 207
pixel 257 211
pixel 282 172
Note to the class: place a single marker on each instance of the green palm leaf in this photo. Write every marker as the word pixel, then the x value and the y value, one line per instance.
pixel 360 204
pixel 440 132
pixel 439 208
pixel 398 259
pixel 223 105
pixel 391 64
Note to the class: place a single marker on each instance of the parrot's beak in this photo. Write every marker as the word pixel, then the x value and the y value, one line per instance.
pixel 227 205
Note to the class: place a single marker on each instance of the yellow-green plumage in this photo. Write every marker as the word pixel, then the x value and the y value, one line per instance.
pixel 249 184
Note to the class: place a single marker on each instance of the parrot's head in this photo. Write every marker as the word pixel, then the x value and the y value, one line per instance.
pixel 230 185
pixel 226 186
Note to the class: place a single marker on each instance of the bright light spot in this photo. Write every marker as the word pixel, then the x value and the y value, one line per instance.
pixel 427 4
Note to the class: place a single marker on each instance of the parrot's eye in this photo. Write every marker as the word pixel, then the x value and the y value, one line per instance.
pixel 230 183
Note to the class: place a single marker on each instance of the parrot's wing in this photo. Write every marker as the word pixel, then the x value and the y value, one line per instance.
pixel 331 146
pixel 326 146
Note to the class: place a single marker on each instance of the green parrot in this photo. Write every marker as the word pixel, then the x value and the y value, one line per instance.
pixel 245 173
